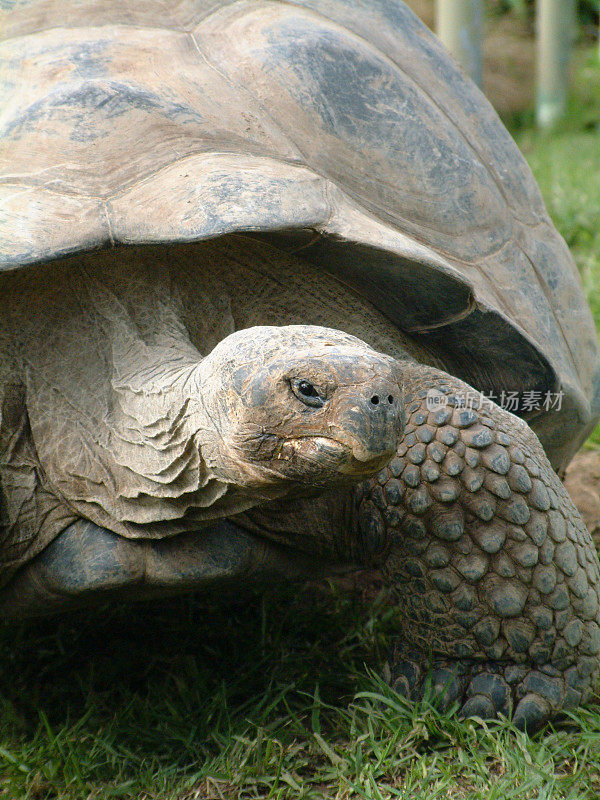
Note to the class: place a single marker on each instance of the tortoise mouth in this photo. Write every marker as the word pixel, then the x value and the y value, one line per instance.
pixel 347 458
pixel 313 444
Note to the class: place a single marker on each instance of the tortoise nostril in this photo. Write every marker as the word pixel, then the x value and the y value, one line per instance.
pixel 375 399
pixel 390 399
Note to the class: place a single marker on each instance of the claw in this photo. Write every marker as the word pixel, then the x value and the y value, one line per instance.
pixel 532 713
pixel 478 706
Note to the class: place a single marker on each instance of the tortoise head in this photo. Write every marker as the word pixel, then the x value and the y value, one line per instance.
pixel 301 404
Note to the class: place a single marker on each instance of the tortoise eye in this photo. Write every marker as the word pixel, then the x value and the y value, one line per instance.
pixel 307 393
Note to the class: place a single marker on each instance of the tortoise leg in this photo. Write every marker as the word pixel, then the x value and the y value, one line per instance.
pixel 495 575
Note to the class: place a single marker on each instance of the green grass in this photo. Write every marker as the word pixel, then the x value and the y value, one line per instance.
pixel 270 697
pixel 278 696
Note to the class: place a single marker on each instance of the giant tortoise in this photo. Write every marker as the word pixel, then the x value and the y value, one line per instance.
pixel 267 266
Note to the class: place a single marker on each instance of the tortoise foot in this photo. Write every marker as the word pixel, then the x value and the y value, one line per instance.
pixel 527 694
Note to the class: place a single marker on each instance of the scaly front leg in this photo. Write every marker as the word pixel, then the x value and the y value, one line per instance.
pixel 496 577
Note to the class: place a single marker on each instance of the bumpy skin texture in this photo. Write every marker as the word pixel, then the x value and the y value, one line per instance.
pixel 495 575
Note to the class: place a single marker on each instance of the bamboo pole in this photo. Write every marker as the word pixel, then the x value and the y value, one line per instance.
pixel 555 21
pixel 459 24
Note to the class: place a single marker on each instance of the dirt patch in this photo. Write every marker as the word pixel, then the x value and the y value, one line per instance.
pixel 583 483
pixel 508 59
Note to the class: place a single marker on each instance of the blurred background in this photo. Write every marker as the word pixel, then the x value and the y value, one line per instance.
pixel 510 34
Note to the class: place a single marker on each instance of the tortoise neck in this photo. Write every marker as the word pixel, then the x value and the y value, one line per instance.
pixel 323 525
